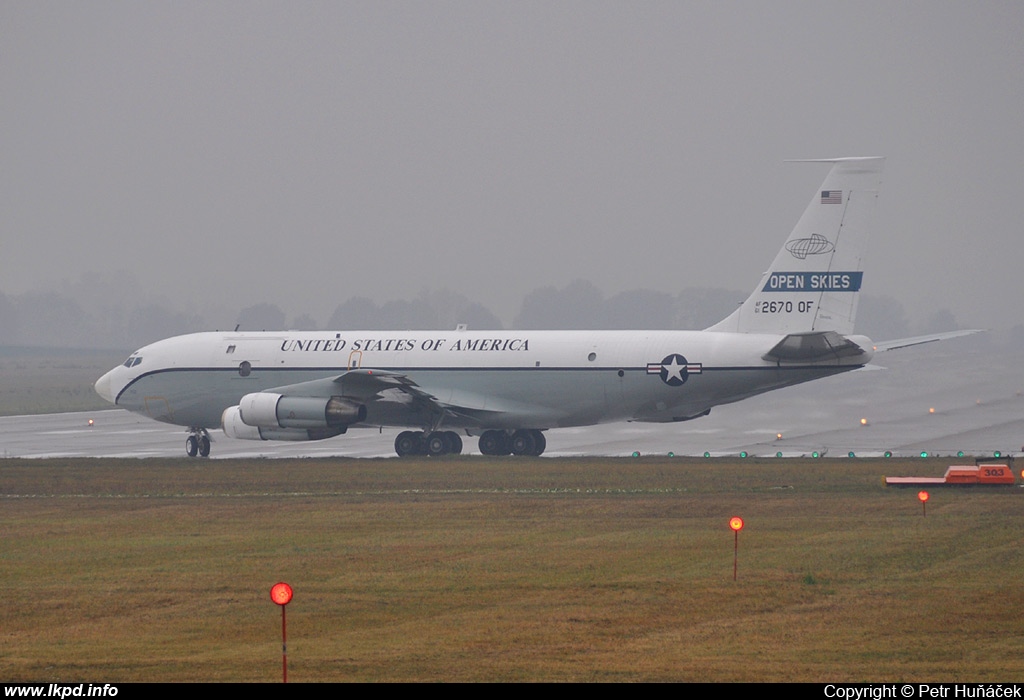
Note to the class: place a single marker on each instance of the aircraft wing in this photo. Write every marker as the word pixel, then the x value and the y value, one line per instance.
pixel 396 392
pixel 921 340
pixel 362 385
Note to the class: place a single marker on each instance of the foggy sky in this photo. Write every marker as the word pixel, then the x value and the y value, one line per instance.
pixel 236 153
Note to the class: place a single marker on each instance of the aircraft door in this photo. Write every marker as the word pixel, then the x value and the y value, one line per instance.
pixel 355 359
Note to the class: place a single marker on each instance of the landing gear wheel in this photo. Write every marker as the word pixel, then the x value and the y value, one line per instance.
pixel 523 443
pixel 454 442
pixel 540 443
pixel 437 444
pixel 494 442
pixel 408 443
pixel 198 443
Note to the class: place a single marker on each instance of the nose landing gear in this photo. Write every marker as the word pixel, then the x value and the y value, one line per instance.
pixel 198 443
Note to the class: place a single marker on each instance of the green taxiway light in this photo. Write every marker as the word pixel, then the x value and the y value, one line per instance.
pixel 924 454
pixel 671 454
pixel 707 454
pixel 960 453
pixel 888 453
pixel 850 454
pixel 815 454
pixel 778 454
pixel 743 455
pixel 636 454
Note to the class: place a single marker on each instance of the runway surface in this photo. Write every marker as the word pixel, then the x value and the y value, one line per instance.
pixel 977 396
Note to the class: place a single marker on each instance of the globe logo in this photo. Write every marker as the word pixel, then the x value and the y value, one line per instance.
pixel 815 245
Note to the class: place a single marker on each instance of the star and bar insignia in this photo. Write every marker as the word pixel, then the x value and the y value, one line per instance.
pixel 674 369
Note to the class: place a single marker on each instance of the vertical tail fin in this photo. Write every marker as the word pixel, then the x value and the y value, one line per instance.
pixel 814 282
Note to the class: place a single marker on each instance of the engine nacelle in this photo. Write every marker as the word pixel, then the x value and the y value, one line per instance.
pixel 234 427
pixel 273 411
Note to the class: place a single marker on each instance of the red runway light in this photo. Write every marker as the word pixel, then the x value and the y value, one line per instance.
pixel 281 593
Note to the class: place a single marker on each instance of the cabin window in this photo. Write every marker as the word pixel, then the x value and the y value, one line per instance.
pixel 231 349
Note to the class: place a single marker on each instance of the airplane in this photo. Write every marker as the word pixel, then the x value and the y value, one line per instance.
pixel 507 388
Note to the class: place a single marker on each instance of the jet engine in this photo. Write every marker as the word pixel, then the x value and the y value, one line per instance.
pixel 268 416
pixel 234 427
pixel 267 410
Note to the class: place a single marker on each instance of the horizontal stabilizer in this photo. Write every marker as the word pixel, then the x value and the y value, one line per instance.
pixel 921 340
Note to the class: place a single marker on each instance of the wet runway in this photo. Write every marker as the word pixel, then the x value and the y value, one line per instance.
pixel 977 397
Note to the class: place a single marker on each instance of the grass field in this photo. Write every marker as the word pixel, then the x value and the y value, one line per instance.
pixel 505 569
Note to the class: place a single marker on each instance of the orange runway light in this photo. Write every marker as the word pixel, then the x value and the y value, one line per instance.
pixel 735 524
pixel 281 593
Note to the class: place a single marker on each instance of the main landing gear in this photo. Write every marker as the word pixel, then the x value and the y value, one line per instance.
pixel 493 442
pixel 525 443
pixel 198 443
pixel 434 444
pixel 530 443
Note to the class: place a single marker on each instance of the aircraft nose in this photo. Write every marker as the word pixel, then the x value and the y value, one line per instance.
pixel 104 387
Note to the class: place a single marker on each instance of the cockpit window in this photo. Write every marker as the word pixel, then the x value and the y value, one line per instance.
pixel 133 361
